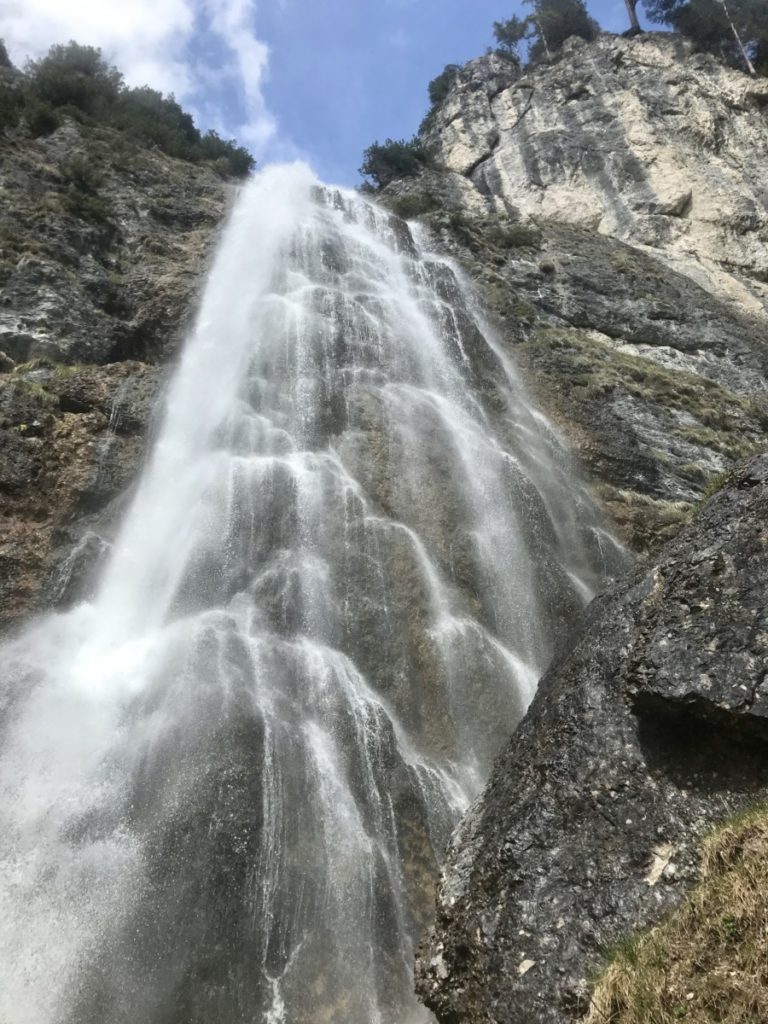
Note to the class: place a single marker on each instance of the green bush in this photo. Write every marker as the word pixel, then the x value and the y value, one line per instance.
pixel 510 34
pixel 555 21
pixel 42 119
pixel 86 206
pixel 77 76
pixel 10 107
pixel 81 197
pixel 438 89
pixel 80 174
pixel 395 158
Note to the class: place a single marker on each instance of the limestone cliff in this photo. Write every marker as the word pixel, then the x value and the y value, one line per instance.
pixel 102 244
pixel 612 208
pixel 641 139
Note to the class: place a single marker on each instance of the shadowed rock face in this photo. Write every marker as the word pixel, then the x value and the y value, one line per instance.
pixel 653 728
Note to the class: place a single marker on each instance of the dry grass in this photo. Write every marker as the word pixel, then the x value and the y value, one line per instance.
pixel 708 962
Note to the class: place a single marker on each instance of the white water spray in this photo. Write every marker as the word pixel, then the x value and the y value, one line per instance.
pixel 226 784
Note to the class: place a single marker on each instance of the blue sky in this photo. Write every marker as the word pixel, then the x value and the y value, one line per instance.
pixel 344 72
pixel 311 79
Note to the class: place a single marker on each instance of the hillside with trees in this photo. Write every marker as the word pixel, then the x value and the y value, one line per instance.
pixel 76 81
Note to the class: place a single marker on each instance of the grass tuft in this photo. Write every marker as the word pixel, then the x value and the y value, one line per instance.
pixel 708 961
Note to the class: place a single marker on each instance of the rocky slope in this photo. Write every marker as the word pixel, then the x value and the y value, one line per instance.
pixel 613 211
pixel 102 245
pixel 653 728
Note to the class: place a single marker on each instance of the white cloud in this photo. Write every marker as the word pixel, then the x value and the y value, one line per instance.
pixel 204 51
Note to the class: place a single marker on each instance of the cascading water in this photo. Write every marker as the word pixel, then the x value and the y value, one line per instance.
pixel 225 784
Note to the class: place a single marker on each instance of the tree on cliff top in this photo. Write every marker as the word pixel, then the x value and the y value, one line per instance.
pixel 76 76
pixel 548 26
pixel 736 30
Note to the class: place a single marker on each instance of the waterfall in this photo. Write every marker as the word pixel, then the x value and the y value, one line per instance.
pixel 226 783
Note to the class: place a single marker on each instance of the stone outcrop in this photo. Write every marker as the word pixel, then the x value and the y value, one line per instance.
pixel 653 728
pixel 102 247
pixel 638 138
pixel 595 201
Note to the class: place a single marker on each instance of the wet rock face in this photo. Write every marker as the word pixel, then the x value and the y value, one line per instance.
pixel 639 138
pixel 651 730
pixel 98 272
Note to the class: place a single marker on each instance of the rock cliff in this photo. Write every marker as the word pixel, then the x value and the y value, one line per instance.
pixel 102 244
pixel 641 139
pixel 611 207
pixel 653 728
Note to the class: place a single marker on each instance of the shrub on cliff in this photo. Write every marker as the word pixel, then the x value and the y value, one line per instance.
pixel 384 162
pixel 440 86
pixel 545 29
pixel 75 76
pixel 438 90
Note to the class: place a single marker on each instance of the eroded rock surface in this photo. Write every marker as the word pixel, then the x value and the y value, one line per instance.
pixel 652 729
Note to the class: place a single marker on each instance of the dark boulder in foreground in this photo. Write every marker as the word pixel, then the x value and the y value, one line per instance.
pixel 649 731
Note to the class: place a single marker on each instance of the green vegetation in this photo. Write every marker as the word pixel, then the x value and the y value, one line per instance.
pixel 498 233
pixel 76 80
pixel 710 24
pixel 81 197
pixel 601 368
pixel 509 35
pixel 438 90
pixel 707 961
pixel 439 87
pixel 414 204
pixel 395 158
